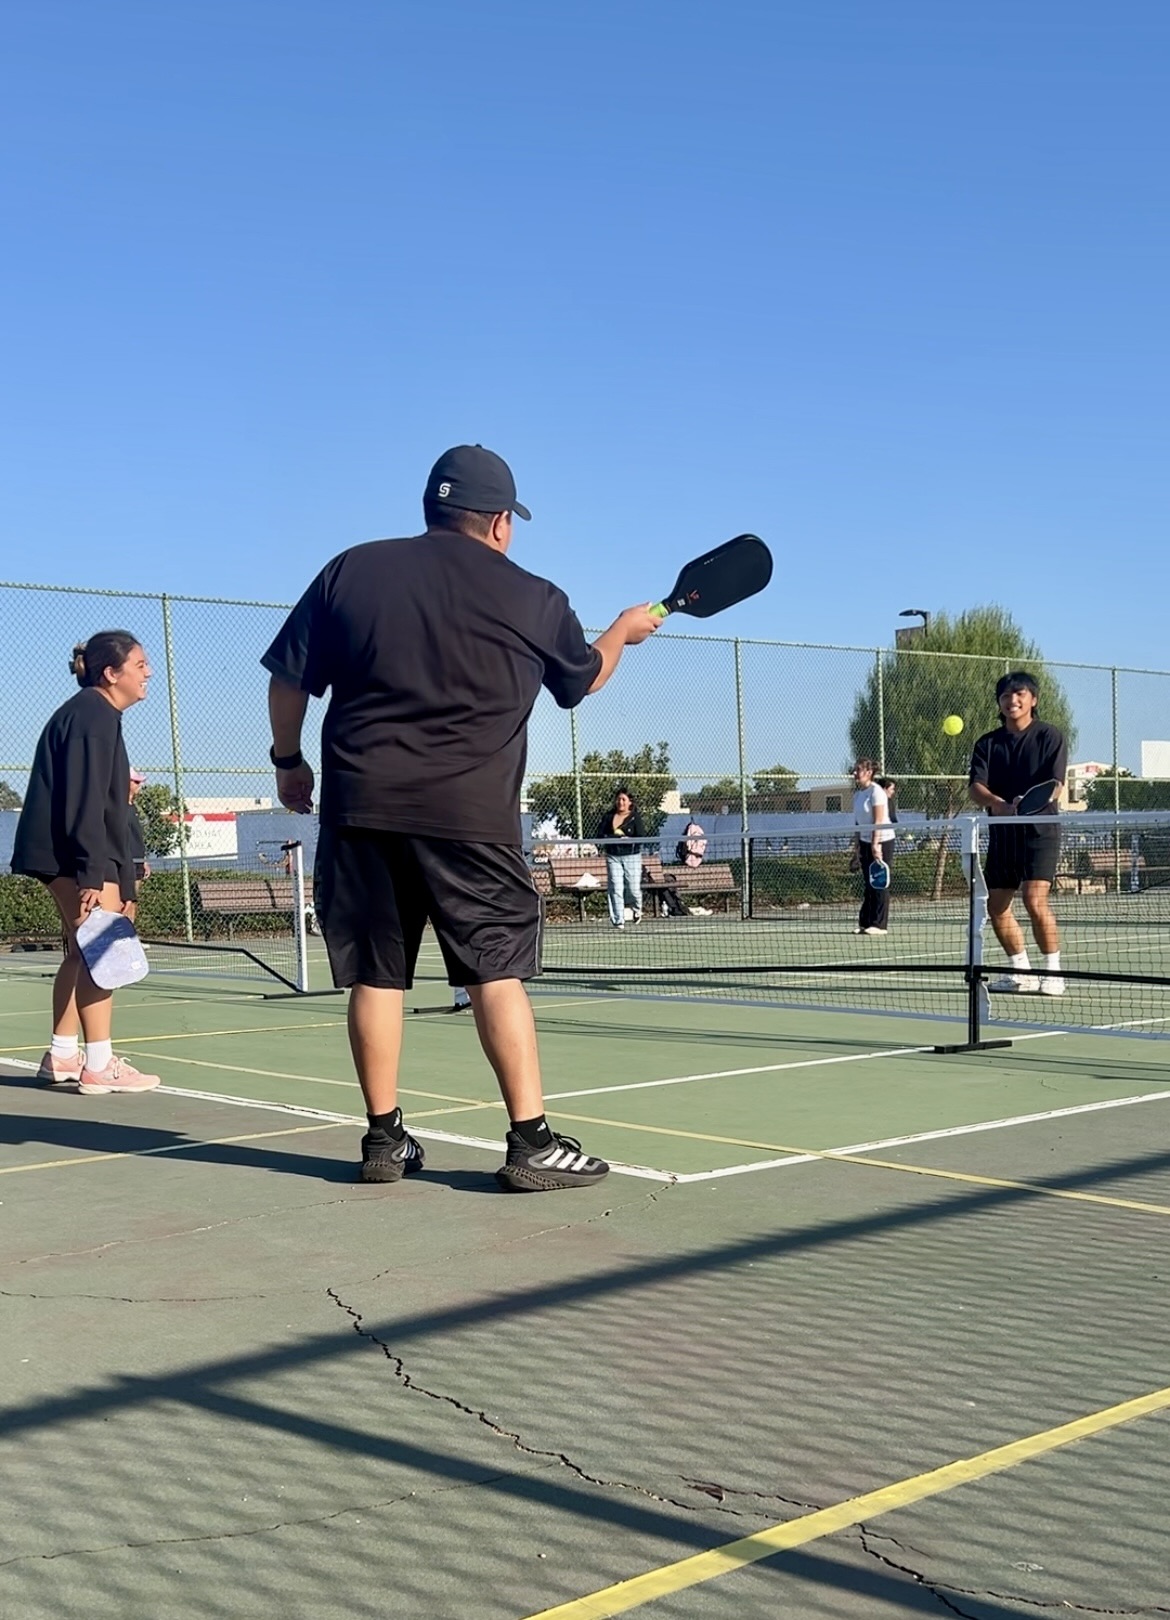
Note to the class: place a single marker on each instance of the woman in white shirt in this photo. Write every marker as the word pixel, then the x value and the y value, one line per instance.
pixel 875 842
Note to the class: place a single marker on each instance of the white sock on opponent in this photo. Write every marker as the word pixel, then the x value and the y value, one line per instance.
pixel 1020 960
pixel 63 1046
pixel 1052 962
pixel 98 1055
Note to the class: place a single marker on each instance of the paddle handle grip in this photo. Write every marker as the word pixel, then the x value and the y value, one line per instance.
pixel 659 610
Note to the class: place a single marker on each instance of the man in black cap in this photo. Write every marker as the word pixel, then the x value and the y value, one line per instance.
pixel 1021 753
pixel 434 650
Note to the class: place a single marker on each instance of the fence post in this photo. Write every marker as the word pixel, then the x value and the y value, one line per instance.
pixel 1116 784
pixel 576 774
pixel 745 899
pixel 742 742
pixel 881 708
pixel 177 761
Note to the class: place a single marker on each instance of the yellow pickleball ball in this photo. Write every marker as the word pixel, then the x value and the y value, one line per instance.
pixel 952 725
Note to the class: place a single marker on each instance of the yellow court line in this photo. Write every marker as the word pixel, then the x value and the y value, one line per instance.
pixel 693 1571
pixel 310 1079
pixel 201 1034
pixel 465 1105
pixel 173 1147
pixel 881 1164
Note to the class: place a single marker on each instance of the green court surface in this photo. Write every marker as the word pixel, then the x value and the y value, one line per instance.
pixel 733 1380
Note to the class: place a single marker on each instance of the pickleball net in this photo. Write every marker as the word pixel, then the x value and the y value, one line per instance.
pixel 771 919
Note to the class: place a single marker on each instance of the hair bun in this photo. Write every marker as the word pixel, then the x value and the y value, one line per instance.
pixel 77 659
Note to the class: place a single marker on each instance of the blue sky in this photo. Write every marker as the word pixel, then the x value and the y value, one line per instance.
pixel 884 282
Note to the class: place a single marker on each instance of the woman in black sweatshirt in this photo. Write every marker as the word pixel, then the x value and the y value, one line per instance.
pixel 73 834
pixel 619 832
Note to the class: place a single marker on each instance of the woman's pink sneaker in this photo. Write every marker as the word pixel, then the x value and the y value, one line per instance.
pixel 56 1071
pixel 118 1075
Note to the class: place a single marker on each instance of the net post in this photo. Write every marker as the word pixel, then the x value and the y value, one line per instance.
pixel 177 762
pixel 968 829
pixel 295 850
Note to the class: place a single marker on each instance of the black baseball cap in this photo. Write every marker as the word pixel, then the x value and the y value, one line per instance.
pixel 474 480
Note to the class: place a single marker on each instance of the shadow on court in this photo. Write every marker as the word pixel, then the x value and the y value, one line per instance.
pixel 60 1131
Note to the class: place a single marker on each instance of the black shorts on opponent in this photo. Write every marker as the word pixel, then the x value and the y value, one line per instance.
pixel 375 892
pixel 1018 855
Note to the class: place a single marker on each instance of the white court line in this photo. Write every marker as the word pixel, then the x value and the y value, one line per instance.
pixel 927 1136
pixel 731 1074
pixel 642 1172
pixel 682 1177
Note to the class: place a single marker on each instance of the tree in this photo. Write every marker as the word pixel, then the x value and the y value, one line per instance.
pixel 10 799
pixel 767 791
pixel 645 773
pixel 158 810
pixel 1134 793
pixel 918 692
pixel 952 670
pixel 771 789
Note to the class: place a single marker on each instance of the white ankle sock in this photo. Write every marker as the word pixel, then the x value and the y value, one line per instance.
pixel 98 1055
pixel 1020 960
pixel 63 1046
pixel 1052 962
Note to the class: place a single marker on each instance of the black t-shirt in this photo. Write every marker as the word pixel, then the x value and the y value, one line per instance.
pixel 1010 762
pixel 434 650
pixel 74 819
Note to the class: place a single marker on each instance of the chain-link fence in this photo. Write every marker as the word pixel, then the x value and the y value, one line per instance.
pixel 726 727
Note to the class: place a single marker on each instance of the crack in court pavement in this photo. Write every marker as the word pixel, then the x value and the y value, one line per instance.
pixel 946 1594
pixel 540 1453
pixel 252 1530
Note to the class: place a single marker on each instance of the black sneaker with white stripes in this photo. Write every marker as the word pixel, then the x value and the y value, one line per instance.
pixel 556 1164
pixel 385 1159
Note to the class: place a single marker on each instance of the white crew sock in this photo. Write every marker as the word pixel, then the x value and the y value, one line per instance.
pixel 1052 962
pixel 98 1055
pixel 64 1046
pixel 1020 960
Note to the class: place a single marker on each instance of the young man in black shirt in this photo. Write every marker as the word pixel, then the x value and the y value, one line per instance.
pixel 434 650
pixel 1023 752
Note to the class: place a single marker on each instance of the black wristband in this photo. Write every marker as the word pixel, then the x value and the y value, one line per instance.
pixel 286 762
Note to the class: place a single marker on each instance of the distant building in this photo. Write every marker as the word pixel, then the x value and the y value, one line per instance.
pixel 1081 776
pixel 228 806
pixel 1156 759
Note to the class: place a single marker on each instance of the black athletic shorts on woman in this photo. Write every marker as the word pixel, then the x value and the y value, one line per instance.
pixel 375 891
pixel 1017 855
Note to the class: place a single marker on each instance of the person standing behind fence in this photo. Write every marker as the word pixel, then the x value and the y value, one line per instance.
pixel 74 836
pixel 136 844
pixel 875 842
pixel 890 787
pixel 623 867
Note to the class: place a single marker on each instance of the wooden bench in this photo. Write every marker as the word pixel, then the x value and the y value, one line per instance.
pixel 700 882
pixel 1094 871
pixel 251 897
pixel 715 881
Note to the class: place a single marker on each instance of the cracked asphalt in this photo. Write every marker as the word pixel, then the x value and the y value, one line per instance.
pixel 238 1384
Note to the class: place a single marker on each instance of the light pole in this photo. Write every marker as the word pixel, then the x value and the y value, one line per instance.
pixel 914 634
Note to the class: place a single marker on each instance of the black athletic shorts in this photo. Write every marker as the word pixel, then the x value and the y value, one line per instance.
pixel 375 892
pixel 1018 855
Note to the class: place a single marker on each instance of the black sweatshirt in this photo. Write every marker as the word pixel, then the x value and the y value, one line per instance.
pixel 631 828
pixel 75 820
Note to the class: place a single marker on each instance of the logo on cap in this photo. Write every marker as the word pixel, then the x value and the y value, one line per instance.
pixel 444 490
